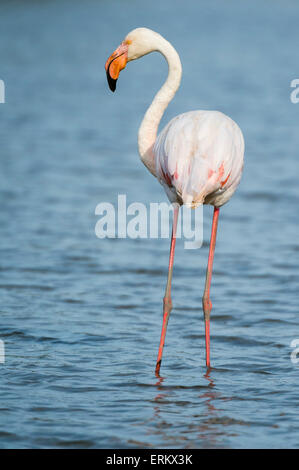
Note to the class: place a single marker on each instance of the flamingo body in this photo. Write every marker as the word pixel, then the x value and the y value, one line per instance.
pixel 199 158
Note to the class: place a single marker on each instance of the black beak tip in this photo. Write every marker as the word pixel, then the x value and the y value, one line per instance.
pixel 111 82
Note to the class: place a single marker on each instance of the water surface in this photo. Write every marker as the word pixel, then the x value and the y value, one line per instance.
pixel 80 316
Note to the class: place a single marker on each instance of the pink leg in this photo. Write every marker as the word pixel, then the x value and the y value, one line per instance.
pixel 206 301
pixel 167 303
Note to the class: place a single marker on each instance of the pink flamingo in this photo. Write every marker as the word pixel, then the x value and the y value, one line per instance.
pixel 198 156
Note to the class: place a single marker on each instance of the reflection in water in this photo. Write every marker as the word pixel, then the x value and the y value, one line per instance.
pixel 204 430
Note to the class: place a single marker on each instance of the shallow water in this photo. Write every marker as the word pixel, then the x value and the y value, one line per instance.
pixel 80 316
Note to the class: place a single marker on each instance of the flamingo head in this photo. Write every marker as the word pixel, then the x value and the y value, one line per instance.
pixel 137 43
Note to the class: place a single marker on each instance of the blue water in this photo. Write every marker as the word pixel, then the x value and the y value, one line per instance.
pixel 80 316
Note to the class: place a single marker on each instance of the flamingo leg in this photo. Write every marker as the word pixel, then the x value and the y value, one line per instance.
pixel 206 301
pixel 167 303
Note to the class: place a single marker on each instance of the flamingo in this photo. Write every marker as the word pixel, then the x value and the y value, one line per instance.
pixel 197 158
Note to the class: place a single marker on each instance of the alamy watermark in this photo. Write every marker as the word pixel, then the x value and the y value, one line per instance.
pixel 2 91
pixel 140 221
pixel 2 352
pixel 295 93
pixel 295 352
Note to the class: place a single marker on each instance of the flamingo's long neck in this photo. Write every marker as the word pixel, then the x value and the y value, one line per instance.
pixel 149 127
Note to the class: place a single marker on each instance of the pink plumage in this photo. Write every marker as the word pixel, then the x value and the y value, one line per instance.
pixel 199 158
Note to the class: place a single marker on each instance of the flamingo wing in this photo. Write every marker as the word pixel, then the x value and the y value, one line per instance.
pixel 199 158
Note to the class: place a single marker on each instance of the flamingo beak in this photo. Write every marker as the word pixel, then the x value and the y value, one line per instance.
pixel 116 62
